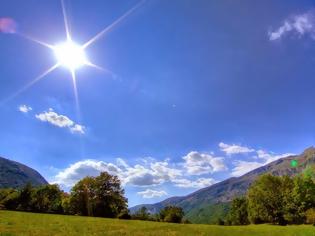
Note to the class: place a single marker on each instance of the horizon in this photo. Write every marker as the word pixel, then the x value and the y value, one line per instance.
pixel 182 95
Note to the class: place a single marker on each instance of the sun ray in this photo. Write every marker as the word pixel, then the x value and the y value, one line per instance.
pixel 76 95
pixel 35 40
pixel 65 18
pixel 111 26
pixel 101 69
pixel 30 84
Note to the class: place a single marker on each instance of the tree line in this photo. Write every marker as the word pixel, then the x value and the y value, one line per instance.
pixel 100 196
pixel 278 200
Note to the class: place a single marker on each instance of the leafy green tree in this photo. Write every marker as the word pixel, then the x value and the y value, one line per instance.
pixel 265 200
pixel 65 203
pixel 25 198
pixel 303 197
pixel 9 199
pixel 238 214
pixel 172 214
pixel 110 200
pixel 82 198
pixel 98 196
pixel 47 198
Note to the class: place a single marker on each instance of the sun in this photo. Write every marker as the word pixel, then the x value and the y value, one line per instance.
pixel 70 55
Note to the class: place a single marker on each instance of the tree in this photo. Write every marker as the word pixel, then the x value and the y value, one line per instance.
pixel 98 196
pixel 65 203
pixel 25 198
pixel 82 198
pixel 302 197
pixel 9 199
pixel 266 201
pixel 47 198
pixel 238 214
pixel 172 214
pixel 110 200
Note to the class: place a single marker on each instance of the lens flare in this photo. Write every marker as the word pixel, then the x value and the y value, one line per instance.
pixel 70 55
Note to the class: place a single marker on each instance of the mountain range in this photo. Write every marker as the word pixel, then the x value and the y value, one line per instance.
pixel 208 204
pixel 15 175
pixel 203 206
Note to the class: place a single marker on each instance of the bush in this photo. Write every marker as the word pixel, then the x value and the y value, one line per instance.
pixel 238 214
pixel 141 214
pixel 186 221
pixel 172 214
pixel 220 221
pixel 124 215
pixel 310 216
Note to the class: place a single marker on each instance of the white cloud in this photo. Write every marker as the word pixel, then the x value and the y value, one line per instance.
pixel 298 24
pixel 25 108
pixel 150 193
pixel 138 175
pixel 199 183
pixel 270 157
pixel 200 163
pixel 81 169
pixel 242 167
pixel 230 149
pixel 61 121
pixel 77 129
pixel 154 174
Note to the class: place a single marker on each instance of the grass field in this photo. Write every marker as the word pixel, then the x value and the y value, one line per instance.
pixel 18 223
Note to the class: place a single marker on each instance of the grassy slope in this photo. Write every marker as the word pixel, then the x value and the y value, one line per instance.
pixel 18 223
pixel 208 214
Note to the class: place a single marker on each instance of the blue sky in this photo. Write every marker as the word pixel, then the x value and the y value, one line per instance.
pixel 199 91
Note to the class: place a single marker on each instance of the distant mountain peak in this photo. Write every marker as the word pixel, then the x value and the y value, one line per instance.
pixel 309 151
pixel 15 175
pixel 203 204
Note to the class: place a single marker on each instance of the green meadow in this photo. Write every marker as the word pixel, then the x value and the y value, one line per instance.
pixel 21 223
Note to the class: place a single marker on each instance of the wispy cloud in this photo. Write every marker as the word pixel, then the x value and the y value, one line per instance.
pixel 268 157
pixel 262 158
pixel 198 183
pixel 302 24
pixel 60 121
pixel 231 149
pixel 242 167
pixel 150 193
pixel 24 108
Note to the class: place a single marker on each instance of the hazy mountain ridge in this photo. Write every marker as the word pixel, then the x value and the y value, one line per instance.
pixel 199 206
pixel 14 175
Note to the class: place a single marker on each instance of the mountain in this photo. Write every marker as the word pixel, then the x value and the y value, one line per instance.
pixel 207 204
pixel 15 175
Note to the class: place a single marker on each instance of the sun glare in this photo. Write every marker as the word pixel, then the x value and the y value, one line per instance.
pixel 70 55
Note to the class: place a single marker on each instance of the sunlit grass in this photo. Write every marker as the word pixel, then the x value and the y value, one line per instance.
pixel 20 223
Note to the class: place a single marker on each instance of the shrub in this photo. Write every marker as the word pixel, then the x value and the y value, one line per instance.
pixel 172 214
pixel 310 216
